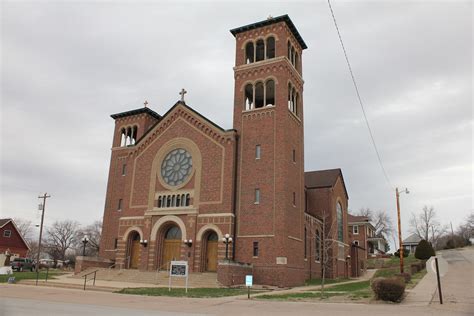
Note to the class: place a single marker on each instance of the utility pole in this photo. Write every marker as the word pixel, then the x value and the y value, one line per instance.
pixel 43 207
pixel 400 226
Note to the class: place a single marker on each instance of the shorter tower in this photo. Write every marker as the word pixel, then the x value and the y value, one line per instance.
pixel 130 126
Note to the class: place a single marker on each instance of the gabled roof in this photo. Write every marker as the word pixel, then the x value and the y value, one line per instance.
pixel 323 179
pixel 412 239
pixel 182 103
pixel 272 20
pixel 136 112
pixel 5 221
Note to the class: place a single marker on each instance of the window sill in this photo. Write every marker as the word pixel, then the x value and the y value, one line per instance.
pixel 271 106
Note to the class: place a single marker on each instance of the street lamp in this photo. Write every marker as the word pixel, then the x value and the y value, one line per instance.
pixel 400 226
pixel 84 240
pixel 227 240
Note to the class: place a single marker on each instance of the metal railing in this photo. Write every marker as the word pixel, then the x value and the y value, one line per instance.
pixel 109 269
pixel 85 278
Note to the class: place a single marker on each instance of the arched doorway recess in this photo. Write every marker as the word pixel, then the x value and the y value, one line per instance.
pixel 212 242
pixel 171 246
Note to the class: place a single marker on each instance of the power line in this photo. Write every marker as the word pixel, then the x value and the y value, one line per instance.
pixel 358 97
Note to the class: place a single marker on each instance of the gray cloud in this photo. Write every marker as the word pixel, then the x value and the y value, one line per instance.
pixel 67 66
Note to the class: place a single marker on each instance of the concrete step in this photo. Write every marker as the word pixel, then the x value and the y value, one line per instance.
pixel 160 278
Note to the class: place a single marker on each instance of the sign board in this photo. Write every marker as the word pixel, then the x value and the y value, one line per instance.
pixel 442 265
pixel 248 280
pixel 178 269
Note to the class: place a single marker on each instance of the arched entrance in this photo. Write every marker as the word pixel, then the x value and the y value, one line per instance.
pixel 212 241
pixel 171 246
pixel 133 250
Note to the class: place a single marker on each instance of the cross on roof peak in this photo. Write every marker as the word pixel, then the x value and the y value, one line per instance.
pixel 145 103
pixel 182 93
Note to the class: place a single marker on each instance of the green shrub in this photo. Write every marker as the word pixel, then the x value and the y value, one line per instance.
pixel 406 252
pixel 388 289
pixel 424 251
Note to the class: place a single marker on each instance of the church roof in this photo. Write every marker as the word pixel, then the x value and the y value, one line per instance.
pixel 323 179
pixel 282 18
pixel 135 112
pixel 182 103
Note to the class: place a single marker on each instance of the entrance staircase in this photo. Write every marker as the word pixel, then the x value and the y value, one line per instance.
pixel 160 278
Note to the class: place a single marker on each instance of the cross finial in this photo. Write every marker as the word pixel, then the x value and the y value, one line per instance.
pixel 182 93
pixel 145 103
pixel 269 17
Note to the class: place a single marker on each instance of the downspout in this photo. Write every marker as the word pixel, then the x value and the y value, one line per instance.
pixel 234 198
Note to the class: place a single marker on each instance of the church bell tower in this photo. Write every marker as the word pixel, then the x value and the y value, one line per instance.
pixel 268 118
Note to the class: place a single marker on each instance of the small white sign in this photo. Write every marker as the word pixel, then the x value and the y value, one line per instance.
pixel 442 265
pixel 179 268
pixel 248 280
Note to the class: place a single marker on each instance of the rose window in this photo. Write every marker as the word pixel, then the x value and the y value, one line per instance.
pixel 176 167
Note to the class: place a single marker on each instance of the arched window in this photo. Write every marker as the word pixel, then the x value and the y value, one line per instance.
pixel 183 200
pixel 259 97
pixel 178 200
pixel 123 138
pixel 159 201
pixel 293 100
pixel 248 96
pixel 212 237
pixel 173 233
pixel 289 51
pixel 260 50
pixel 340 227
pixel 249 53
pixel 292 55
pixel 270 93
pixel 289 96
pixel 296 60
pixel 168 201
pixel 271 47
pixel 188 199
pixel 296 103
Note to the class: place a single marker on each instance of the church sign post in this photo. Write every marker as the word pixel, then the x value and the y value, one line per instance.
pixel 178 269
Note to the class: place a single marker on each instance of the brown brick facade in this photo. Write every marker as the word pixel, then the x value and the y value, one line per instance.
pixel 270 233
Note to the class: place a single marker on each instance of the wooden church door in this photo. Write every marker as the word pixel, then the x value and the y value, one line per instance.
pixel 211 252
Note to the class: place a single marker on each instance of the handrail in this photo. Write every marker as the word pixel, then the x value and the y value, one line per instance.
pixel 85 278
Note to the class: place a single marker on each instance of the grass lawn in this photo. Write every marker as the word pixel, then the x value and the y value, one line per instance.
pixel 29 276
pixel 355 290
pixel 195 292
pixel 327 281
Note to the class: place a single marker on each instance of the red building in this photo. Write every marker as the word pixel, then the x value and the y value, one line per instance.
pixel 11 239
pixel 178 183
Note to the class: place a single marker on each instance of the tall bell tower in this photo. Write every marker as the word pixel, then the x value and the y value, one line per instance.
pixel 268 117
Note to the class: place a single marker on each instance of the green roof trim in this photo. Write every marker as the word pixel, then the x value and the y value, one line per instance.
pixel 282 18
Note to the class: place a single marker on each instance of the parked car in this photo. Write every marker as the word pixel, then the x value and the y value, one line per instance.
pixel 22 264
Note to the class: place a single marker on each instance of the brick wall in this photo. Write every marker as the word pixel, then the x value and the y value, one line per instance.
pixel 233 273
pixel 83 263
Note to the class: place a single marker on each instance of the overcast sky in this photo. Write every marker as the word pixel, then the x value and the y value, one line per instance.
pixel 66 66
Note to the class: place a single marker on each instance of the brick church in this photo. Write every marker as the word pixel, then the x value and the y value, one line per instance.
pixel 179 184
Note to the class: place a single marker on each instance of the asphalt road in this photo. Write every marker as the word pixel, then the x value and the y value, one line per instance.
pixel 39 301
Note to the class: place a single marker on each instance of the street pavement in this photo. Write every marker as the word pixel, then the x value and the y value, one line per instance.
pixel 39 301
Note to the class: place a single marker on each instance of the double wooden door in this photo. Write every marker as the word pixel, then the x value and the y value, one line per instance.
pixel 171 252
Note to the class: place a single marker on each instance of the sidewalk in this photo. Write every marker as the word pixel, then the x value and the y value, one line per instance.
pixel 422 293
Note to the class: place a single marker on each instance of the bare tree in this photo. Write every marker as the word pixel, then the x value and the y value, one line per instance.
pixel 427 226
pixel 383 224
pixel 93 233
pixel 25 228
pixel 327 241
pixel 365 211
pixel 60 237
